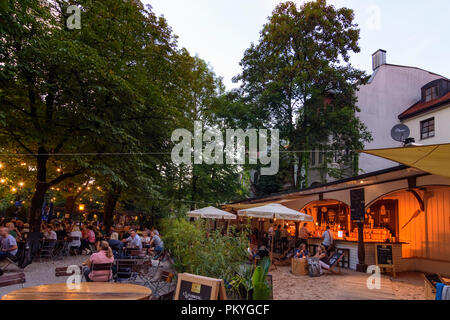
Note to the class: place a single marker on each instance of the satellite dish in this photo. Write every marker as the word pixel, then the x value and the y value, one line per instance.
pixel 400 132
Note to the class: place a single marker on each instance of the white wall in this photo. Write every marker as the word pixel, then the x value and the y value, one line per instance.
pixel 392 91
pixel 441 126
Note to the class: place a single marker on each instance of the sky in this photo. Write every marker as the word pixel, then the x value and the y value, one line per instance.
pixel 413 32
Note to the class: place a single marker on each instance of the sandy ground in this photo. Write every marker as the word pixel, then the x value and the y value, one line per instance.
pixel 348 286
pixel 287 286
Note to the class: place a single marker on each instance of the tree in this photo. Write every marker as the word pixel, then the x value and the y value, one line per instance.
pixel 299 72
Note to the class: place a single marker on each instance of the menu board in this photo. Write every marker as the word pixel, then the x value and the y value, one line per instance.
pixel 357 204
pixel 384 255
pixel 194 287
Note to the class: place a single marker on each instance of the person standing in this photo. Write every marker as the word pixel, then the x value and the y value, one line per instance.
pixel 304 234
pixel 284 238
pixel 327 238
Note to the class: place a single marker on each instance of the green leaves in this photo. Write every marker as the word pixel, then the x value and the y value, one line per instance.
pixel 196 249
pixel 299 75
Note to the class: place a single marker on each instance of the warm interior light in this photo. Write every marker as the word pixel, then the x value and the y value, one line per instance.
pixel 21 184
pixel 13 189
pixel 81 207
pixel 2 180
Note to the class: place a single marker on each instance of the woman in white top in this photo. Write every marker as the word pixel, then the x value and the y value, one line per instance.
pixel 76 233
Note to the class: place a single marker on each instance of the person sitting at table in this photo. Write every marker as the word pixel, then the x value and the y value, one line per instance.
pixel 61 232
pixel 133 241
pixel 157 243
pixel 103 255
pixel 13 231
pixel 75 233
pixel 322 255
pixel 8 245
pixel 49 234
pixel 115 244
pixel 301 252
pixel 146 239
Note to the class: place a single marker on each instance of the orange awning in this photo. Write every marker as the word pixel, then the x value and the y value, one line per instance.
pixel 433 159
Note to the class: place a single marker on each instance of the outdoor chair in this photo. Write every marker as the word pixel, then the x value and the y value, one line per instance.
pixel 101 267
pixel 12 279
pixel 64 250
pixel 124 270
pixel 138 254
pixel 64 271
pixel 335 261
pixel 162 285
pixel 75 250
pixel 47 250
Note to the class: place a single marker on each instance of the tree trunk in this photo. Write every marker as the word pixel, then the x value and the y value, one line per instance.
pixel 70 205
pixel 110 205
pixel 39 194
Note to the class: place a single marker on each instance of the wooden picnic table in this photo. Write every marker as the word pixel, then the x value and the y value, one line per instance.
pixel 87 291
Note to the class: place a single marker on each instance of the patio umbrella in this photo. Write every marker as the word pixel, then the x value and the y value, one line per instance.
pixel 275 211
pixel 211 213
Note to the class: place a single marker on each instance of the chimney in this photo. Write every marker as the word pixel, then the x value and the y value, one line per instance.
pixel 378 59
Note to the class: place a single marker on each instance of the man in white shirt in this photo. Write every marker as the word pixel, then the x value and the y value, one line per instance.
pixel 8 244
pixel 49 234
pixel 134 240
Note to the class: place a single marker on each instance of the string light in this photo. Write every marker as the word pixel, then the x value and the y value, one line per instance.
pixel 13 189
pixel 2 180
pixel 1 165
pixel 23 164
pixel 58 170
pixel 21 184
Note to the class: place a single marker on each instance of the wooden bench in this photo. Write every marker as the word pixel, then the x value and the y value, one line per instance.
pixel 62 271
pixel 12 279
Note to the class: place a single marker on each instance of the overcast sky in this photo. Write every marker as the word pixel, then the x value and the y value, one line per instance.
pixel 414 33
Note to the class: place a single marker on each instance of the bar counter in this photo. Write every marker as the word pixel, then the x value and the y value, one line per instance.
pixel 351 247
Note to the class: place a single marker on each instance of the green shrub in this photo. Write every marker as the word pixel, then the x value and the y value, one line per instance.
pixel 196 250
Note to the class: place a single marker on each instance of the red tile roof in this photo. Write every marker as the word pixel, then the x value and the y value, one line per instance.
pixel 422 106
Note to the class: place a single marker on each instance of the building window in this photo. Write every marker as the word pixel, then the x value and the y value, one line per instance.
pixel 431 93
pixel 313 158
pixel 427 128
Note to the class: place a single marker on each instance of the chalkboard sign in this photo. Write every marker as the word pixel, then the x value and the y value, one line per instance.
pixel 357 203
pixel 384 255
pixel 194 287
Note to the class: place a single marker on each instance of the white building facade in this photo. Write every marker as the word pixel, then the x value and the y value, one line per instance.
pixel 390 91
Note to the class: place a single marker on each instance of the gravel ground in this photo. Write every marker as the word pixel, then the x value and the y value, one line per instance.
pixel 39 273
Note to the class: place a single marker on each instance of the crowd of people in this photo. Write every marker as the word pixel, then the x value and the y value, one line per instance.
pixel 83 238
pixel 291 247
